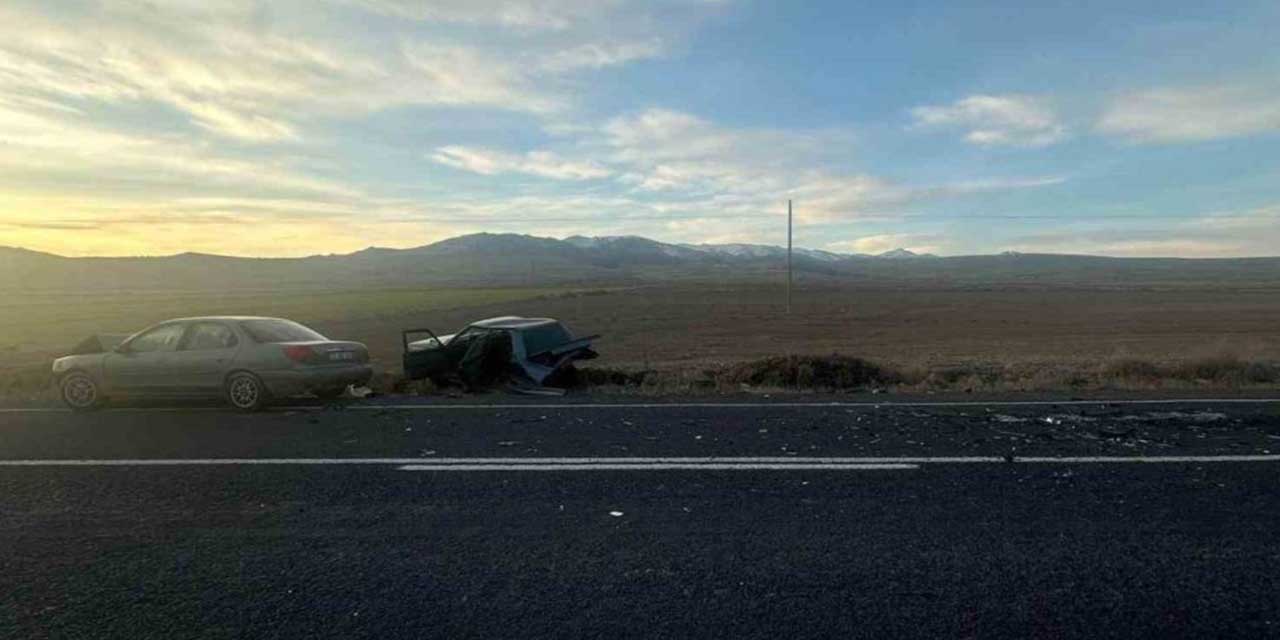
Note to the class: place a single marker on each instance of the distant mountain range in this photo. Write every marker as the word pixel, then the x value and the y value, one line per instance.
pixel 486 259
pixel 636 243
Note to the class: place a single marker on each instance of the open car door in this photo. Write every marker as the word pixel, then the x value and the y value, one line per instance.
pixel 427 360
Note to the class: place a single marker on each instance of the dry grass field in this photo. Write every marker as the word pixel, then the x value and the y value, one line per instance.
pixel 673 326
pixel 945 335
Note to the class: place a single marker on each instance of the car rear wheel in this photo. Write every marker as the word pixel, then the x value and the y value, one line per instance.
pixel 80 392
pixel 246 392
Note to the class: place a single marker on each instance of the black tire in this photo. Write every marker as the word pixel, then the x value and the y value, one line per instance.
pixel 80 392
pixel 245 392
pixel 329 394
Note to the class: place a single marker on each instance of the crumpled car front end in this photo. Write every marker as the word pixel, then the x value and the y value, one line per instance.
pixel 543 367
pixel 87 356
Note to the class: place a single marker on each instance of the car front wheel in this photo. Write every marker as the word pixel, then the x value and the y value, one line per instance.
pixel 246 392
pixel 80 392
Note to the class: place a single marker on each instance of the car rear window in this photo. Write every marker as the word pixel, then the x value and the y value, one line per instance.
pixel 280 331
pixel 539 339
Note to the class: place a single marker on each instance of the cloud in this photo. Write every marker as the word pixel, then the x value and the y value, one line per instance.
pixel 672 152
pixel 537 163
pixel 228 76
pixel 451 74
pixel 991 120
pixel 140 224
pixel 225 109
pixel 975 187
pixel 77 154
pixel 528 14
pixel 677 174
pixel 1192 114
pixel 236 72
pixel 690 164
pixel 600 55
pixel 206 118
pixel 875 244
pixel 1219 234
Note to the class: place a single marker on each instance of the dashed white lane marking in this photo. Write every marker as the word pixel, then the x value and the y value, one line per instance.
pixel 699 466
pixel 127 410
pixel 769 462
pixel 680 405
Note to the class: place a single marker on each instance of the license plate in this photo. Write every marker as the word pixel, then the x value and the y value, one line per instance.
pixel 342 355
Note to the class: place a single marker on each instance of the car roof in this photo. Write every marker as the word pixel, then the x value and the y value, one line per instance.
pixel 513 322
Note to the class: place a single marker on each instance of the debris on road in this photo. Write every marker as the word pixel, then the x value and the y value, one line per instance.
pixel 1068 418
pixel 1115 433
pixel 1194 416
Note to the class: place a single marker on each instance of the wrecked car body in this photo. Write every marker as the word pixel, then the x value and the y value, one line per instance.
pixel 526 350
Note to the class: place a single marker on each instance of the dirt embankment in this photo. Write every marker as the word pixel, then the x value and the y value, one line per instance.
pixel 837 373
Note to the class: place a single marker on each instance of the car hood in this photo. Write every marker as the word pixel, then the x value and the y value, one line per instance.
pixel 99 343
pixel 81 361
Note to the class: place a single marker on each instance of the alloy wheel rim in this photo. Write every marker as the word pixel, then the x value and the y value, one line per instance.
pixel 244 392
pixel 79 391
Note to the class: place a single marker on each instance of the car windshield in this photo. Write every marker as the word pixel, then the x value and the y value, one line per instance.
pixel 280 331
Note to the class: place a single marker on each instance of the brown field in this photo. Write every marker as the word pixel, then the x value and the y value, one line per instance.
pixel 1044 335
pixel 664 327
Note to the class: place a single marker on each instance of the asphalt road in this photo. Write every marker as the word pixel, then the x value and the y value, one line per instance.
pixel 549 520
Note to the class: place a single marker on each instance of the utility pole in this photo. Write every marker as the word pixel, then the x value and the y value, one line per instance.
pixel 788 257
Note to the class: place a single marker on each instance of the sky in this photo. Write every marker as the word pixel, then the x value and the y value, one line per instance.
pixel 282 128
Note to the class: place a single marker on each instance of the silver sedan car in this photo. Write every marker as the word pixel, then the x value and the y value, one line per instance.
pixel 247 360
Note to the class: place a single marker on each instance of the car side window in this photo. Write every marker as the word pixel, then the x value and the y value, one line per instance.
pixel 207 336
pixel 164 338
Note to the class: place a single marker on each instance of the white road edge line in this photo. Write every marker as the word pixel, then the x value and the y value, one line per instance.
pixel 658 467
pixel 679 405
pixel 807 405
pixel 772 461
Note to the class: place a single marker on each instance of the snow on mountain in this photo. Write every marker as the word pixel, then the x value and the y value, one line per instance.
pixel 903 254
pixel 634 246
pixel 726 250
pixel 737 250
pixel 742 250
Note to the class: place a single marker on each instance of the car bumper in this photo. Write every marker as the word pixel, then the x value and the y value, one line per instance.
pixel 298 381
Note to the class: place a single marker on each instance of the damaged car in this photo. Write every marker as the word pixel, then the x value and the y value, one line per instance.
pixel 246 360
pixel 529 352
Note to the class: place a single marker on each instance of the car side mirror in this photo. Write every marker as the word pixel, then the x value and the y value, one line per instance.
pixel 121 349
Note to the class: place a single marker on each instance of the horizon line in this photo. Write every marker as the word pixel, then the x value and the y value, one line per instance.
pixel 843 255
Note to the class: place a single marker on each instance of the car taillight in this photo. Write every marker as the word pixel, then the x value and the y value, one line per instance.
pixel 299 353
